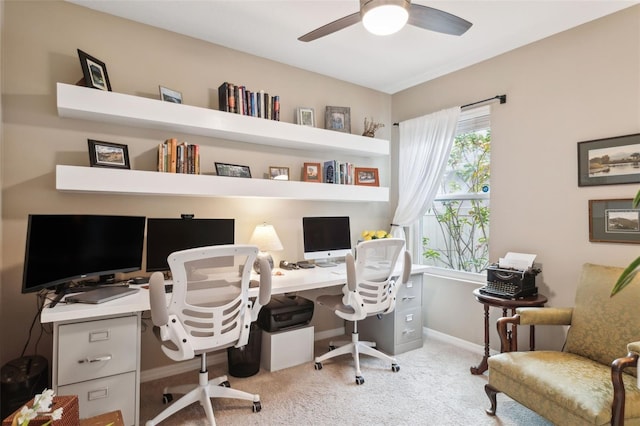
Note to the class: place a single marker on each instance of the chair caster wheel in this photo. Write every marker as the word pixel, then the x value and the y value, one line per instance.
pixel 359 380
pixel 167 398
pixel 257 407
pixel 225 384
pixel 332 347
pixel 318 366
pixel 395 368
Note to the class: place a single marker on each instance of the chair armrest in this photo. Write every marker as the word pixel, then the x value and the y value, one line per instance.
pixel 617 369
pixel 545 316
pixel 634 347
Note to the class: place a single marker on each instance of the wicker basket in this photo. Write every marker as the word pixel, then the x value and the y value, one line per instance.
pixel 70 413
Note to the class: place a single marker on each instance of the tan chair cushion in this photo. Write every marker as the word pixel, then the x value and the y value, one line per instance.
pixel 563 387
pixel 602 326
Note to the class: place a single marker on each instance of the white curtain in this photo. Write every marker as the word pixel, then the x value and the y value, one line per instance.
pixel 424 148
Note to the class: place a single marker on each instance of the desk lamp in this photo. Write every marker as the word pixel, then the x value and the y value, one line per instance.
pixel 265 237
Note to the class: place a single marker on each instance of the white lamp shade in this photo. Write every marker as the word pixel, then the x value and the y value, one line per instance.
pixel 384 17
pixel 265 237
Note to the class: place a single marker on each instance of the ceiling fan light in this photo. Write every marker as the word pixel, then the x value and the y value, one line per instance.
pixel 382 17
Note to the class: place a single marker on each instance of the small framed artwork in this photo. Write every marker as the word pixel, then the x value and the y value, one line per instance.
pixel 278 173
pixel 107 154
pixel 609 161
pixel 233 170
pixel 169 95
pixel 338 119
pixel 614 221
pixel 366 176
pixel 312 172
pixel 306 117
pixel 95 72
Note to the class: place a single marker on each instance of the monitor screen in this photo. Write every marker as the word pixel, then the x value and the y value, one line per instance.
pixel 326 237
pixel 62 248
pixel 164 236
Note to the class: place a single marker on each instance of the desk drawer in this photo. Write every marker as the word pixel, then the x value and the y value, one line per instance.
pixel 408 325
pixel 106 394
pixel 93 349
pixel 409 295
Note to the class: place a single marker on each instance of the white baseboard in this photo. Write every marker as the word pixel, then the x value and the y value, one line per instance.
pixel 455 341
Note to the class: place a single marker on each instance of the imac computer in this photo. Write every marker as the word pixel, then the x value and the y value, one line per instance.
pixel 326 238
pixel 166 235
pixel 63 248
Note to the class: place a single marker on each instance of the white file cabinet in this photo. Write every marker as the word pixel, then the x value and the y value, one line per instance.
pixel 401 330
pixel 98 360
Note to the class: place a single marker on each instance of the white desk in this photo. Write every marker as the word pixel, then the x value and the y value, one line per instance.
pixel 96 348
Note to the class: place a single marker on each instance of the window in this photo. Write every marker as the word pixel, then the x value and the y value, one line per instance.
pixel 455 231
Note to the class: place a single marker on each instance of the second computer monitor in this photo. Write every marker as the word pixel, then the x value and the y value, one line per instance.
pixel 166 235
pixel 326 238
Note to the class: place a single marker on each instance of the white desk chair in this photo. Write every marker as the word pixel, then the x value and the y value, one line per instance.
pixel 209 310
pixel 370 290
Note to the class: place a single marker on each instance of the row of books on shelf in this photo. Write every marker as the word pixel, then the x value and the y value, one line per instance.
pixel 178 157
pixel 240 100
pixel 339 172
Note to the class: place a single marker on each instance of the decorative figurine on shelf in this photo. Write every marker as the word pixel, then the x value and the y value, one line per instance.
pixel 370 127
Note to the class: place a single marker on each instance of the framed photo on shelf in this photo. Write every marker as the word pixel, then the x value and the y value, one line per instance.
pixel 609 161
pixel 278 173
pixel 614 221
pixel 338 119
pixel 169 95
pixel 95 72
pixel 312 172
pixel 305 117
pixel 107 154
pixel 233 170
pixel 366 176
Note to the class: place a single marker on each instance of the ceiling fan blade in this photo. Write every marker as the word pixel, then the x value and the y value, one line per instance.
pixel 332 27
pixel 437 20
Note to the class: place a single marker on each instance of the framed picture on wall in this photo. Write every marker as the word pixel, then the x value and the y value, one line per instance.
pixel 312 172
pixel 305 117
pixel 233 170
pixel 278 173
pixel 107 154
pixel 609 161
pixel 338 119
pixel 614 221
pixel 366 176
pixel 169 95
pixel 95 72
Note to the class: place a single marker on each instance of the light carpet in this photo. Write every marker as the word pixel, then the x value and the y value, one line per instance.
pixel 433 387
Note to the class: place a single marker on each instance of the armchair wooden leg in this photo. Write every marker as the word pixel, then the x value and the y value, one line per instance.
pixel 491 393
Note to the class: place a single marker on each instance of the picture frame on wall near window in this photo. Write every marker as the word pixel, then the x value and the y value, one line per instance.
pixel 95 72
pixel 233 170
pixel 366 176
pixel 609 161
pixel 169 95
pixel 108 154
pixel 305 117
pixel 278 173
pixel 312 172
pixel 614 221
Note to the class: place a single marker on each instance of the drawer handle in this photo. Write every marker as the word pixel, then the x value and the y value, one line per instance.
pixel 408 297
pixel 98 394
pixel 96 359
pixel 408 331
pixel 408 318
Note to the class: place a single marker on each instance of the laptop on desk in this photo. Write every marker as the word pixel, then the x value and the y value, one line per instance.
pixel 101 295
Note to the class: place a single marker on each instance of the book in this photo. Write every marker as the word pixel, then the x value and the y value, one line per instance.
pixel 328 171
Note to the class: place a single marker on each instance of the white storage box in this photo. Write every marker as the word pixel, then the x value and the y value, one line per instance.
pixel 283 349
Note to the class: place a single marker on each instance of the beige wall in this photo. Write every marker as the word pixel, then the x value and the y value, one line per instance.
pixel 39 43
pixel 579 85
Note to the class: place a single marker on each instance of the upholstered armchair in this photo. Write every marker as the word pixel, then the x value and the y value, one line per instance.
pixel 592 380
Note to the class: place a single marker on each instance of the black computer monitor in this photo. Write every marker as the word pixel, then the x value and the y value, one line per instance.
pixel 63 248
pixel 326 238
pixel 166 235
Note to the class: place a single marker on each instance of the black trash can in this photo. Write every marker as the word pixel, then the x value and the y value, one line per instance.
pixel 245 361
pixel 22 379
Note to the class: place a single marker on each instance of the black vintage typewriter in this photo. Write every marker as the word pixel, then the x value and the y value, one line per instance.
pixel 510 283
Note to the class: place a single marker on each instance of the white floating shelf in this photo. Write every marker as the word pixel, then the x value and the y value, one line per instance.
pixel 138 182
pixel 117 108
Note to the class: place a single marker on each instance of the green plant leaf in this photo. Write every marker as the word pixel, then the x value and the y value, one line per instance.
pixel 636 200
pixel 626 277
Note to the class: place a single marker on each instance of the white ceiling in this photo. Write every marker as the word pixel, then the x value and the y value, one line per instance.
pixel 270 28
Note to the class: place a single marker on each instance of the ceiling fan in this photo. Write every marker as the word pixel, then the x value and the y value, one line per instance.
pixel 384 17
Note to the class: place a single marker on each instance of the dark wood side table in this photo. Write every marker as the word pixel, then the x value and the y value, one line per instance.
pixel 505 305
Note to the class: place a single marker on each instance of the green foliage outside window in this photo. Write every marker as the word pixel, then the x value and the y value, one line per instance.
pixel 463 224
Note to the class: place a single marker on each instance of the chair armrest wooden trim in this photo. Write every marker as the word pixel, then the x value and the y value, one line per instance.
pixel 505 336
pixel 617 369
pixel 545 316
